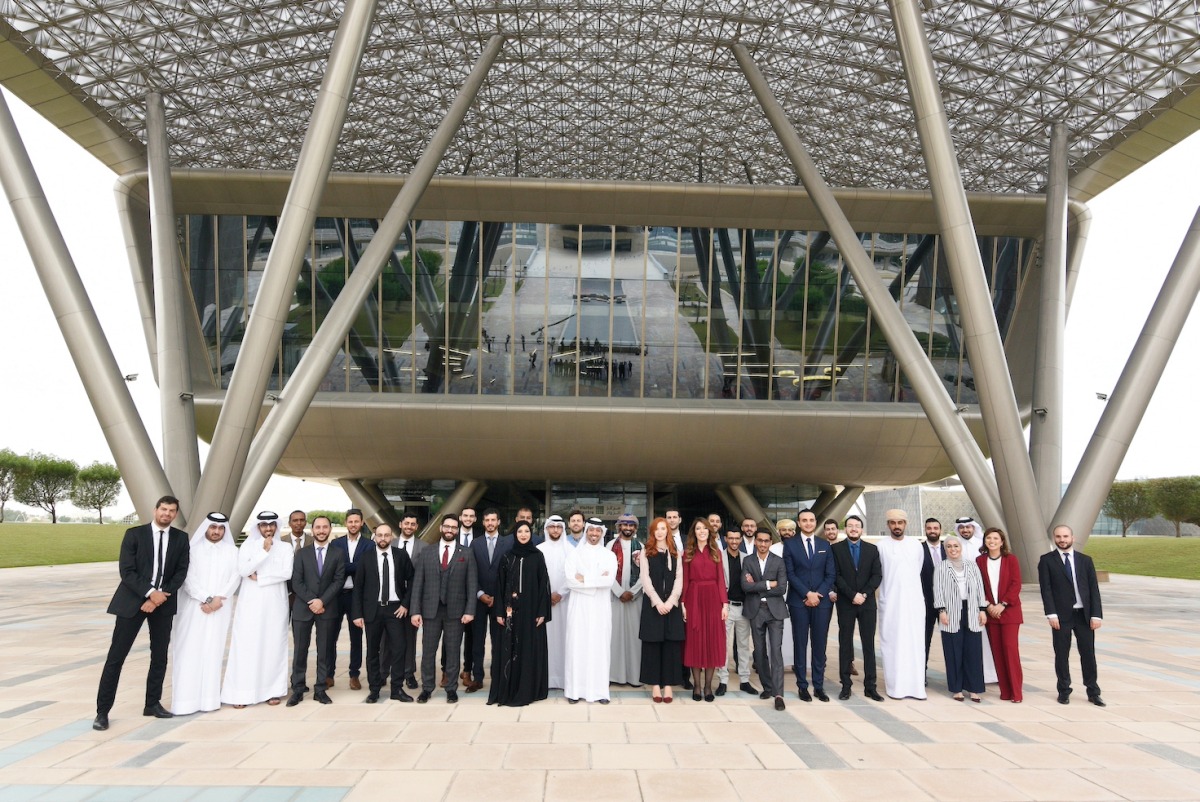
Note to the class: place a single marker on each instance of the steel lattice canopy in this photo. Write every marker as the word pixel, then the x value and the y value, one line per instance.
pixel 598 89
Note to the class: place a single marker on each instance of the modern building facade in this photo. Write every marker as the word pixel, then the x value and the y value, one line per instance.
pixel 637 254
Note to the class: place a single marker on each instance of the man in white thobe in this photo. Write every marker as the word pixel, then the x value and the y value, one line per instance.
pixel 626 667
pixel 257 669
pixel 202 623
pixel 589 571
pixel 971 534
pixel 902 611
pixel 556 551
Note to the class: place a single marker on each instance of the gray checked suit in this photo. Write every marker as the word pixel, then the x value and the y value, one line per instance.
pixel 442 598
pixel 767 610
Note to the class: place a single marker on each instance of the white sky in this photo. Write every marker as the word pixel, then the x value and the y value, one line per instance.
pixel 1137 228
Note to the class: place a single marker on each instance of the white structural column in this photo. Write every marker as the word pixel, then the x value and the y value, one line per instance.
pixel 950 428
pixel 981 333
pixel 1128 401
pixel 135 217
pixel 1046 425
pixel 730 499
pixel 751 508
pixel 466 494
pixel 826 497
pixel 285 417
pixel 1083 225
pixel 181 454
pixel 94 361
pixel 260 346
pixel 360 497
pixel 840 507
pixel 384 509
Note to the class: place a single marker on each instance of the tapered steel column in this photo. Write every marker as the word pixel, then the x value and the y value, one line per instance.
pixel 751 508
pixel 841 505
pixel 248 385
pixel 285 417
pixel 984 347
pixel 385 511
pixel 728 498
pixel 1083 225
pixel 361 499
pixel 181 454
pixel 135 229
pixel 94 361
pixel 951 430
pixel 1127 404
pixel 1046 425
pixel 826 497
pixel 466 494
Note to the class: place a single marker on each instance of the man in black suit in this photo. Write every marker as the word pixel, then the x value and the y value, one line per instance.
pixel 1071 598
pixel 469 528
pixel 859 573
pixel 489 550
pixel 318 573
pixel 353 546
pixel 382 595
pixel 935 552
pixel 443 602
pixel 153 564
pixel 764 581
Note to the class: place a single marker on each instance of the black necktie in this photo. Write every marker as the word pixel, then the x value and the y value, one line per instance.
pixel 158 577
pixel 1070 573
pixel 383 581
pixel 854 553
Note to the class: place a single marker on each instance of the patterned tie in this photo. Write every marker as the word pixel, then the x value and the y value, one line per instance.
pixel 320 561
pixel 445 557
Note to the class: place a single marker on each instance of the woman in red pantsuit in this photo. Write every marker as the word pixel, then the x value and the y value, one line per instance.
pixel 1002 585
pixel 705 607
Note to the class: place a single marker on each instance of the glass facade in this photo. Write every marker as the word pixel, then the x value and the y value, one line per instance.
pixel 599 310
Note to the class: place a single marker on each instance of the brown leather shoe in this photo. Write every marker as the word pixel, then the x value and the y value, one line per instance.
pixel 329 682
pixel 444 680
pixel 464 678
pixel 473 686
pixel 355 685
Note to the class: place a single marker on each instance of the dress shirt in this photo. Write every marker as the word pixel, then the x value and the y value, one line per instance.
pixel 388 583
pixel 351 547
pixel 406 546
pixel 160 542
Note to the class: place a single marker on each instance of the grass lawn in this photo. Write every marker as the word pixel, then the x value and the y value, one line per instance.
pixel 58 544
pixel 1148 556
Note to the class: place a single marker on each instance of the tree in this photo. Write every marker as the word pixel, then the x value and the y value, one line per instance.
pixel 1177 499
pixel 1129 502
pixel 96 487
pixel 45 481
pixel 11 464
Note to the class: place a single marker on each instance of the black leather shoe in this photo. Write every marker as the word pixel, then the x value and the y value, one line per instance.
pixel 804 696
pixel 746 687
pixel 1064 699
pixel 307 689
pixel 845 694
pixel 451 697
pixel 708 697
pixel 322 697
pixel 422 697
pixel 411 682
pixel 401 696
pixel 1097 701
pixel 295 699
pixel 158 711
pixel 764 695
pixel 721 688
pixel 372 697
pixel 821 695
pixel 572 701
pixel 602 701
pixel 779 704
pixel 101 722
pixel 874 694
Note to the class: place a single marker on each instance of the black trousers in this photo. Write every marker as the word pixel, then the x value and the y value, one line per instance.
pixel 1076 624
pixel 384 664
pixel 450 632
pixel 931 621
pixel 326 642
pixel 484 623
pixel 864 615
pixel 125 632
pixel 345 598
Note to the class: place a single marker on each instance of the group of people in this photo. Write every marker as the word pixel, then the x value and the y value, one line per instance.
pixel 577 608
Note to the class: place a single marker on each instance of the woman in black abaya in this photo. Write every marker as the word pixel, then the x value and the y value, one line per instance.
pixel 520 663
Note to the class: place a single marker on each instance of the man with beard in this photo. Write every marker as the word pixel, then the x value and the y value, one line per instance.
pixel 468 530
pixel 626 604
pixel 443 603
pixel 488 551
pixel 810 574
pixel 737 625
pixel 674 519
pixel 902 610
pixel 575 523
pixel 411 545
pixel 858 577
pixel 318 576
pixel 556 550
pixel 590 570
pixel 934 554
pixel 352 547
pixel 764 581
pixel 382 591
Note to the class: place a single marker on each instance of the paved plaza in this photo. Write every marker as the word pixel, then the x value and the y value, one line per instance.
pixel 1144 745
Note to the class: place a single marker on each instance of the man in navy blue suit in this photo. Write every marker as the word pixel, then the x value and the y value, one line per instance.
pixel 353 547
pixel 810 572
pixel 489 549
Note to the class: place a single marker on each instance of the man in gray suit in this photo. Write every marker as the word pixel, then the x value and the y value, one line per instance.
pixel 764 580
pixel 318 574
pixel 443 603
pixel 410 544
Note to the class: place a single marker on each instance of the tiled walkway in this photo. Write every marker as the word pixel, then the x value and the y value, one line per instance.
pixel 1144 745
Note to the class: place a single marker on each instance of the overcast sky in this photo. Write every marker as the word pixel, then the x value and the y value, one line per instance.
pixel 1137 229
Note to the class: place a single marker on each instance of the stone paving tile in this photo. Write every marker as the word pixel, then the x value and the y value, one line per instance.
pixel 547 756
pixel 976 784
pixel 514 785
pixel 632 756
pixel 377 785
pixel 596 785
pixel 1048 785
pixel 692 785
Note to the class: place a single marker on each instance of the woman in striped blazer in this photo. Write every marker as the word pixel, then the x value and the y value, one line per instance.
pixel 962 610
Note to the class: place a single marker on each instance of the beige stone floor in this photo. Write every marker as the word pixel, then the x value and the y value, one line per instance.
pixel 1144 745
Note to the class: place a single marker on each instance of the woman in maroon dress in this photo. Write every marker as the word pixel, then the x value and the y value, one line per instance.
pixel 705 607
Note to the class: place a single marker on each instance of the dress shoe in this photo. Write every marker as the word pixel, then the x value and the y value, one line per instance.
pixel 400 696
pixel 295 699
pixel 101 722
pixel 779 704
pixel 765 695
pixel 372 697
pixel 853 670
pixel 708 697
pixel 1064 699
pixel 602 701
pixel 821 695
pixel 329 682
pixel 696 695
pixel 571 701
pixel 422 697
pixel 464 677
pixel 721 688
pixel 442 682
pixel 451 697
pixel 657 699
pixel 473 686
pixel 1097 701
pixel 355 685
pixel 804 696
pixel 845 694
pixel 411 683
pixel 746 687
pixel 874 694
pixel 158 711
pixel 322 697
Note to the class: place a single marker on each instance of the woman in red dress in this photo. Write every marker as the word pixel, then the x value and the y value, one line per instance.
pixel 705 607
pixel 1002 586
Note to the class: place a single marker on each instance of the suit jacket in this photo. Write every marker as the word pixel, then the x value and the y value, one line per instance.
pixel 1009 586
pixel 461 580
pixel 365 601
pixel 342 544
pixel 137 563
pixel 487 570
pixel 806 575
pixel 308 585
pixel 864 579
pixel 1058 597
pixel 757 590
pixel 287 538
pixel 927 573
